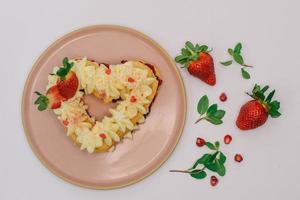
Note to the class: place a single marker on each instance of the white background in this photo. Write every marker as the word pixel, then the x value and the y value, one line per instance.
pixel 270 33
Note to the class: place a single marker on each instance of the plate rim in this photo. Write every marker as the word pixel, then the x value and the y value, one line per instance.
pixel 50 47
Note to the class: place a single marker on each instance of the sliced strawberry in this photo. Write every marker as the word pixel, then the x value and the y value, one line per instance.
pixel 52 99
pixel 68 86
pixel 68 81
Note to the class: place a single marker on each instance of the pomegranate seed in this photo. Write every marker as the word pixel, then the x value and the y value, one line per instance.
pixel 102 135
pixel 133 99
pixel 213 181
pixel 130 80
pixel 200 142
pixel 238 158
pixel 227 139
pixel 108 71
pixel 65 122
pixel 223 97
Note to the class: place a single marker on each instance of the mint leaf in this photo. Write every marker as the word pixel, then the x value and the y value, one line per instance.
pixel 212 109
pixel 230 51
pixel 237 48
pixel 219 114
pixel 210 146
pixel 245 74
pixel 212 166
pixel 205 158
pixel 217 144
pixel 222 158
pixel 202 105
pixel 238 58
pixel 226 63
pixel 213 120
pixel 220 168
pixel 198 174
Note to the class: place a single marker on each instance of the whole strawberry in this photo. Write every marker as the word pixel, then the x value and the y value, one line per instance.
pixel 198 61
pixel 255 112
pixel 67 83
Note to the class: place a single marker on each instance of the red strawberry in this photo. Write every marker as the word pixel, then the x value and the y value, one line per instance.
pixel 255 112
pixel 52 99
pixel 198 62
pixel 68 82
pixel 68 86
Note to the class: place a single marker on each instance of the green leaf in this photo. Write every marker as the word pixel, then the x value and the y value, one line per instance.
pixel 220 168
pixel 202 105
pixel 205 158
pixel 237 48
pixel 217 144
pixel 270 96
pixel 274 113
pixel 210 146
pixel 213 120
pixel 275 104
pixel 212 109
pixel 264 89
pixel 194 57
pixel 238 58
pixel 190 45
pixel 222 158
pixel 42 106
pixel 198 174
pixel 219 114
pixel 245 74
pixel 203 48
pixel 65 62
pixel 185 52
pixel 180 58
pixel 212 166
pixel 230 51
pixel 226 63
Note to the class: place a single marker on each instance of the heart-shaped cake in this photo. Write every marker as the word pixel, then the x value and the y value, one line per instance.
pixel 132 84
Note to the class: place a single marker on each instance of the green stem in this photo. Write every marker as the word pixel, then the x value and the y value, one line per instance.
pixel 247 65
pixel 187 171
pixel 198 120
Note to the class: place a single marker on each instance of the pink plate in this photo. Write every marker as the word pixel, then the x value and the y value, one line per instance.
pixel 132 160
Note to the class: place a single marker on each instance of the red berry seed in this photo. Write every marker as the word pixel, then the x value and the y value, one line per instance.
pixel 133 99
pixel 102 135
pixel 65 122
pixel 213 181
pixel 238 158
pixel 227 139
pixel 223 97
pixel 200 142
pixel 130 80
pixel 108 71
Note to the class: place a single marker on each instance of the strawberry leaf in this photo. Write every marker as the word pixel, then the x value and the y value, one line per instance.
pixel 270 96
pixel 42 101
pixel 190 46
pixel 265 89
pixel 226 63
pixel 198 174
pixel 245 74
pixel 203 105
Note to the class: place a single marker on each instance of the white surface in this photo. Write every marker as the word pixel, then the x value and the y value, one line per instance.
pixel 270 33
